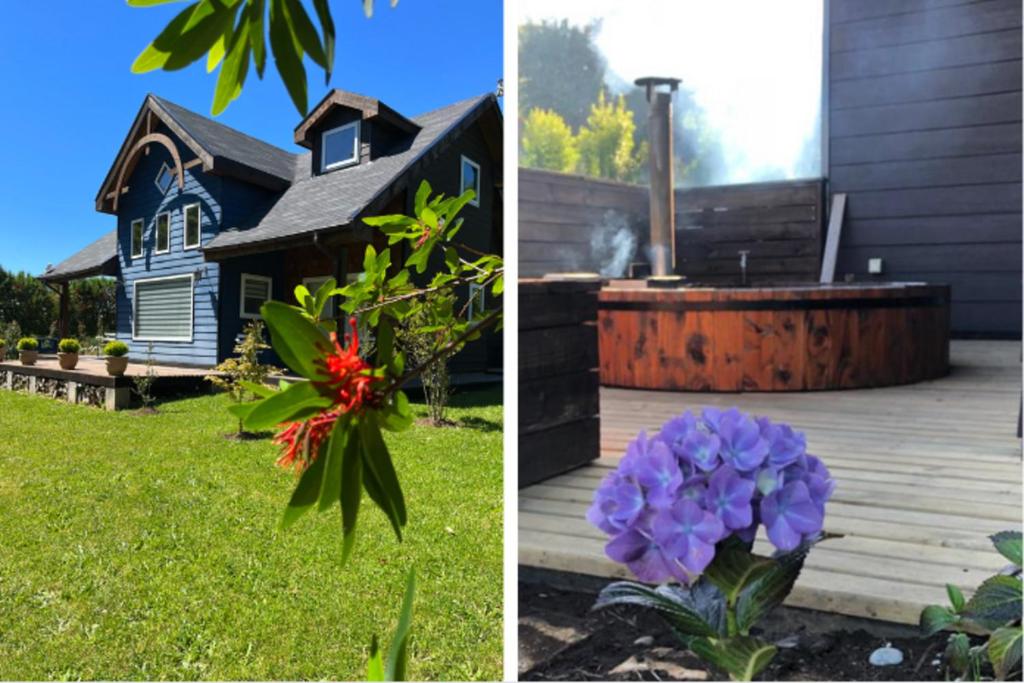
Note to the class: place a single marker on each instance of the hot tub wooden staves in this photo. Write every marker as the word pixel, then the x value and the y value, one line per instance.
pixel 786 338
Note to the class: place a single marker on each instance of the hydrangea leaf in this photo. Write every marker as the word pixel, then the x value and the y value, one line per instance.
pixel 1008 543
pixel 734 568
pixel 956 597
pixel 997 602
pixel 742 657
pixel 934 618
pixel 1004 650
pixel 678 606
pixel 770 589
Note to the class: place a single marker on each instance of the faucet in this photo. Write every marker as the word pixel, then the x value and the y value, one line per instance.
pixel 743 266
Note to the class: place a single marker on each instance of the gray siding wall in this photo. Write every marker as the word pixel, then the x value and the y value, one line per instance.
pixel 145 201
pixel 925 138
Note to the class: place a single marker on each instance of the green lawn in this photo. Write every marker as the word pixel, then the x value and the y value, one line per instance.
pixel 146 547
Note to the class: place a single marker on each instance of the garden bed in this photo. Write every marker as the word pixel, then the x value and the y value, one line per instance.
pixel 560 638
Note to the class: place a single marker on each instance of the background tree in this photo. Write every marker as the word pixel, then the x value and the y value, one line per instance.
pixel 546 141
pixel 559 69
pixel 92 306
pixel 27 301
pixel 607 144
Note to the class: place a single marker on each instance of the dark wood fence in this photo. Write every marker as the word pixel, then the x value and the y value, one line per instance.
pixel 780 224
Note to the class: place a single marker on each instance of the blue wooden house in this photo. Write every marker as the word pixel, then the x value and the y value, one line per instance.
pixel 212 222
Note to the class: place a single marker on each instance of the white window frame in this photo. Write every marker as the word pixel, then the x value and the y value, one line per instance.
pixel 156 181
pixel 191 311
pixel 462 179
pixel 356 148
pixel 142 238
pixel 241 294
pixel 184 226
pixel 156 233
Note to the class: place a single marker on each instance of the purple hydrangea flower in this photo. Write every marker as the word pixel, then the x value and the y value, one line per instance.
pixel 728 497
pixel 675 431
pixel 653 466
pixel 618 504
pixel 784 444
pixel 688 533
pixel 644 557
pixel 789 514
pixel 701 448
pixel 742 445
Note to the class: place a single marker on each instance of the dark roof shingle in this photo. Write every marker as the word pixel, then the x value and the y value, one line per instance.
pixel 99 258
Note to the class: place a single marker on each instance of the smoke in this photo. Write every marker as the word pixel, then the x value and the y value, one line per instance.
pixel 754 69
pixel 612 247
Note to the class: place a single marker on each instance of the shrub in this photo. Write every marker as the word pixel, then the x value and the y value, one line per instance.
pixel 28 344
pixel 238 376
pixel 69 346
pixel 3 343
pixel 421 336
pixel 994 609
pixel 115 348
pixel 142 384
pixel 685 506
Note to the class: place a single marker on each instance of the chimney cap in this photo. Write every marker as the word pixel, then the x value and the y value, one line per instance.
pixel 652 82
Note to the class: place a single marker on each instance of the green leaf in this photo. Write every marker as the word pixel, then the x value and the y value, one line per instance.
pixel 257 39
pixel 305 494
pixel 375 665
pixel 1008 543
pixel 296 340
pixel 305 31
pixel 323 13
pixel 298 401
pixel 422 192
pixel 206 25
pixel 956 597
pixel 219 49
pixel 742 657
pixel 261 390
pixel 351 494
pixel 399 417
pixel 958 652
pixel 330 489
pixel 398 653
pixel 934 618
pixel 770 589
pixel 997 602
pixel 1004 650
pixel 734 568
pixel 287 57
pixel 241 410
pixel 156 54
pixel 150 3
pixel 323 293
pixel 232 72
pixel 678 606
pixel 378 462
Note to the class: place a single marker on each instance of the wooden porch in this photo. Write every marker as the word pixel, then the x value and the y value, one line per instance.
pixel 925 472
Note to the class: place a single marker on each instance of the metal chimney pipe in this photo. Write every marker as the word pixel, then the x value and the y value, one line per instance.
pixel 659 126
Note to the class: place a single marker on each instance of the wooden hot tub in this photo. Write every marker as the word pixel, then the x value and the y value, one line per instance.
pixel 779 338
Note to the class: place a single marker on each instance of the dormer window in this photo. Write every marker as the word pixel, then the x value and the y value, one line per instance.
pixel 471 179
pixel 164 178
pixel 340 147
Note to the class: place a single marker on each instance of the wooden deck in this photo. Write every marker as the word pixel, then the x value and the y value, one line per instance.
pixel 924 473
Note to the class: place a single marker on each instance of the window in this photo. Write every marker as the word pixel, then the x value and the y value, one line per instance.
pixel 255 293
pixel 163 233
pixel 476 300
pixel 137 226
pixel 471 179
pixel 164 179
pixel 163 309
pixel 193 222
pixel 339 147
pixel 313 284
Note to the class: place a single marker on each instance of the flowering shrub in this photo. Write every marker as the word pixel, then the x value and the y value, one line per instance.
pixel 686 504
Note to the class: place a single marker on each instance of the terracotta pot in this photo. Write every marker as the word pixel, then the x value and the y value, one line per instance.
pixel 67 361
pixel 116 365
pixel 28 357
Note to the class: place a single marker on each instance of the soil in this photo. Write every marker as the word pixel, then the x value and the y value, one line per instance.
pixel 427 422
pixel 561 639
pixel 147 411
pixel 245 436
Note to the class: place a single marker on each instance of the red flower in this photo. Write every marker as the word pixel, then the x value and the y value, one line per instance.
pixel 351 386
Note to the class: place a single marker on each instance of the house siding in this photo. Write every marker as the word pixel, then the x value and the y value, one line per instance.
pixel 144 200
pixel 924 137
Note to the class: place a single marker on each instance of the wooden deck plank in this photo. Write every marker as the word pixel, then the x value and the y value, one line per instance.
pixel 924 474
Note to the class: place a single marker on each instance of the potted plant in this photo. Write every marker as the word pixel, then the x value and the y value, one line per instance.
pixel 28 350
pixel 117 357
pixel 67 353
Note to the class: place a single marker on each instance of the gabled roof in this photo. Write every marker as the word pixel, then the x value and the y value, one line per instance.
pixel 369 108
pixel 99 258
pixel 318 202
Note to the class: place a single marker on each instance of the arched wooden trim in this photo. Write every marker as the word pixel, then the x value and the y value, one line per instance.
pixel 160 139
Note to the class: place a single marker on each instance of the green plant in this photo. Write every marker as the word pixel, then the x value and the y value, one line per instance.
pixel 11 331
pixel 231 32
pixel 115 348
pixel 420 336
pixel 28 344
pixel 3 344
pixel 235 375
pixel 394 668
pixel 547 142
pixel 606 142
pixel 994 609
pixel 142 384
pixel 69 346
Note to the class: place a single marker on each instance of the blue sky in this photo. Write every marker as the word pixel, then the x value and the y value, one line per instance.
pixel 69 96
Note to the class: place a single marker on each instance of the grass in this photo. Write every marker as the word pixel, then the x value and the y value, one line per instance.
pixel 146 547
